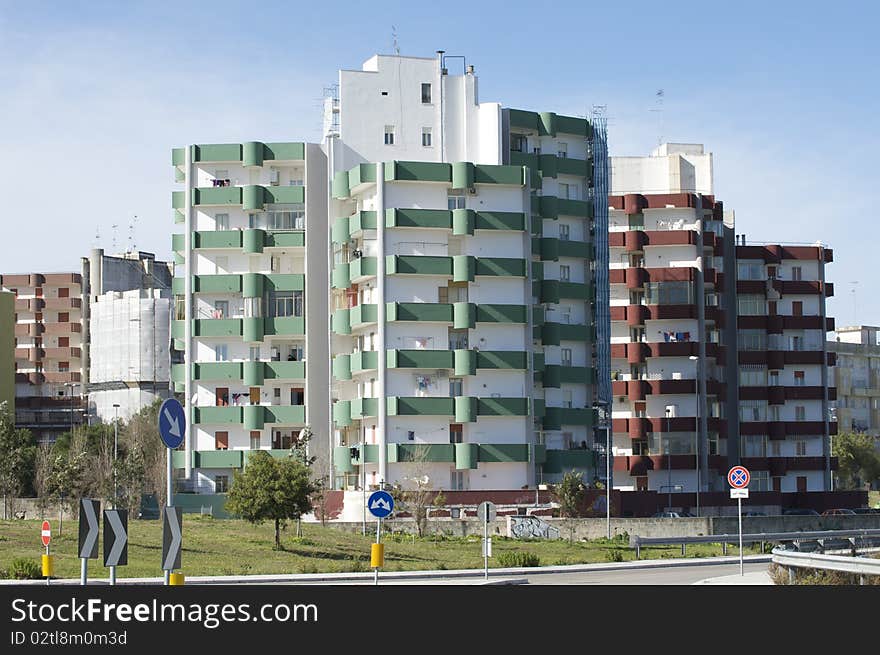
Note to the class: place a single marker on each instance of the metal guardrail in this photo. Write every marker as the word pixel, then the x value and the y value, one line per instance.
pixel 853 536
pixel 860 566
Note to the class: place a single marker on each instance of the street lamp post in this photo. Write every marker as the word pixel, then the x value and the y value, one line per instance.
pixel 668 459
pixel 699 426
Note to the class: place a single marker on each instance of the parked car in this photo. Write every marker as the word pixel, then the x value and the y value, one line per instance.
pixel 866 510
pixel 838 512
pixel 796 511
pixel 753 513
pixel 666 515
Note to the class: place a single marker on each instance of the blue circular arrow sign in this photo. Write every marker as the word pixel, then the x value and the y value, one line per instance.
pixel 172 423
pixel 380 504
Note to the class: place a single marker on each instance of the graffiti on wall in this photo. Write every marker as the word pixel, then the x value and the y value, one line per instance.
pixel 530 527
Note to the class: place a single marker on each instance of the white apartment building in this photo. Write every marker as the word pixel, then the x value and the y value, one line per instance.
pixel 857 378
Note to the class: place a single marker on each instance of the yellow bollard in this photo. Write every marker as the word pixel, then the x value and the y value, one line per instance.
pixel 48 562
pixel 377 556
pixel 175 580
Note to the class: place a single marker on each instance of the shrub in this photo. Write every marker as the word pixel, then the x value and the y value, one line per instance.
pixel 23 568
pixel 518 558
pixel 615 555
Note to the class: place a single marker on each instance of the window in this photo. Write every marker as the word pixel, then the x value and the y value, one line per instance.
pixel 63 317
pixel 426 93
pixel 669 293
pixel 518 143
pixel 746 271
pixel 456 387
pixel 221 352
pixel 255 439
pixel 221 222
pixel 799 378
pixel 760 481
pixel 459 480
pixel 455 199
pixel 297 396
pixel 800 413
pixel 797 308
pixel 426 137
pixel 754 445
pixel 563 190
pixel 753 410
pixel 567 399
pixel 253 307
pixel 221 484
pixel 796 272
pixel 564 232
pixel 221 440
pixel 455 433
pixel 752 339
pixel 63 292
pixel 800 448
pixel 771 308
pixel 458 339
pixel 389 135
pixel 562 150
pixel 751 305
pixel 775 449
pixel 221 309
pixel 565 356
pixel 752 376
pixel 564 272
pixel 774 378
pixel 287 303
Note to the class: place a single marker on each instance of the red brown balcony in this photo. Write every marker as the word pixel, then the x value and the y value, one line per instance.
pixel 635 240
pixel 670 237
pixel 616 239
pixel 59 377
pixel 637 314
pixel 29 329
pixel 63 303
pixel 61 279
pixel 659 312
pixel 29 378
pixel 63 353
pixel 636 277
pixel 63 328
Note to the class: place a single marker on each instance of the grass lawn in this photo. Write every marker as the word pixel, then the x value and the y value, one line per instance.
pixel 234 547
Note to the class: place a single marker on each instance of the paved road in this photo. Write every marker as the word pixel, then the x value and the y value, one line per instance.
pixel 677 575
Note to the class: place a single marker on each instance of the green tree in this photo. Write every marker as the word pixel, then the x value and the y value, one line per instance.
pixel 18 452
pixel 858 460
pixel 271 489
pixel 570 494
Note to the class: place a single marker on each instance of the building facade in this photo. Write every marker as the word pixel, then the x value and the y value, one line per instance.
pixel 52 336
pixel 718 352
pixel 857 378
pixel 456 240
pixel 7 349
pixel 251 276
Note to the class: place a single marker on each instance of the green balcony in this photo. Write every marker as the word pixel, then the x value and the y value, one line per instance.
pixel 417 265
pixel 342 413
pixel 284 370
pixel 361 174
pixel 253 373
pixel 405 406
pixel 580 249
pixel 581 208
pixel 418 311
pixel 509 452
pixel 285 414
pixel 254 417
pixel 362 268
pixel 217 284
pixel 217 371
pixel 417 171
pixel 561 461
pixel 217 415
pixel 218 459
pixel 502 359
pixel 499 174
pixel 341 367
pixel 364 314
pixel 218 239
pixel 502 406
pixel 501 314
pixel 339 276
pixel 524 159
pixel 364 360
pixel 277 239
pixel 340 321
pixel 360 221
pixel 421 359
pixel 420 218
pixel 217 196
pixel 278 195
pixel 342 461
pixel 570 166
pixel 285 325
pixel 464 362
pixel 420 452
pixel 512 221
pixel 285 282
pixel 553 333
pixel 216 152
pixel 216 327
pixel 500 266
pixel 364 407
pixel 466 455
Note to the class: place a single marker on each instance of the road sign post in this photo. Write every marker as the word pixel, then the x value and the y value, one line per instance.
pixel 172 537
pixel 738 477
pixel 380 504
pixel 46 559
pixel 486 512
pixel 89 529
pixel 115 540
pixel 172 429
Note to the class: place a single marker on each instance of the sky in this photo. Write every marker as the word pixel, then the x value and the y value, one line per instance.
pixel 94 95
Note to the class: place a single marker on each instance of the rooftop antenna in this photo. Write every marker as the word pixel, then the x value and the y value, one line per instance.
pixel 132 230
pixel 394 44
pixel 659 109
pixel 97 243
pixel 114 226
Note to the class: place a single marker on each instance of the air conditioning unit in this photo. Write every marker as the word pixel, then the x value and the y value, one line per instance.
pixel 472 190
pixel 274 177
